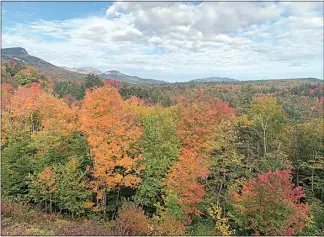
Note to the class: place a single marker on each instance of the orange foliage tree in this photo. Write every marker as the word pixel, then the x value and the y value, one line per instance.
pixel 45 185
pixel 31 109
pixel 113 134
pixel 6 94
pixel 18 109
pixel 56 115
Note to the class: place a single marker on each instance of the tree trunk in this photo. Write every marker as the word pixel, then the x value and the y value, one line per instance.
pixel 104 201
pixel 313 180
pixel 264 141
pixel 117 202
pixel 50 203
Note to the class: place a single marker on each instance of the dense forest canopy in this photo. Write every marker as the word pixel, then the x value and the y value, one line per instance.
pixel 242 158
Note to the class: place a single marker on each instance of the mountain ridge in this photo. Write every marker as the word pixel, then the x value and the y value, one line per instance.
pixel 117 75
pixel 20 54
pixel 214 79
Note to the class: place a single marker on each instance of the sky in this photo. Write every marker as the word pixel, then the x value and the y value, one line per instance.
pixel 173 41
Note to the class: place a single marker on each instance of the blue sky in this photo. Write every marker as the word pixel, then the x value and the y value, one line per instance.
pixel 26 12
pixel 172 41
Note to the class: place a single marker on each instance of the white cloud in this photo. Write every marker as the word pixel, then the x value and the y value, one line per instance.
pixel 174 41
pixel 130 34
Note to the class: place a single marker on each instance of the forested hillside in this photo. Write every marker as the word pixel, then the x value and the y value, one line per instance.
pixel 22 56
pixel 101 157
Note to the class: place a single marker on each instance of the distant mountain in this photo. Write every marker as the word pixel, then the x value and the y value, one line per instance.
pixel 214 79
pixel 84 70
pixel 116 75
pixel 20 54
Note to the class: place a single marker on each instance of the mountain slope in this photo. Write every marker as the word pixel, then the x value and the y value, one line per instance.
pixel 214 79
pixel 20 54
pixel 53 71
pixel 116 75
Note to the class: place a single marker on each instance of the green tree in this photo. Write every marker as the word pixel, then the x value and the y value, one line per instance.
pixel 309 161
pixel 54 149
pixel 267 115
pixel 227 164
pixel 72 189
pixel 69 87
pixel 93 81
pixel 273 161
pixel 17 163
pixel 26 77
pixel 160 150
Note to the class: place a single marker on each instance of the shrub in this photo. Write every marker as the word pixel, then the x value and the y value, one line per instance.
pixel 7 209
pixel 166 225
pixel 131 220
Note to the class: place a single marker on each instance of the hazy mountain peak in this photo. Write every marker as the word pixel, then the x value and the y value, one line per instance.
pixel 84 70
pixel 15 51
pixel 214 79
pixel 113 72
pixel 117 75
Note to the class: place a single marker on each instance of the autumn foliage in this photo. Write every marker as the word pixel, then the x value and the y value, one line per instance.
pixel 271 205
pixel 112 133
pixel 166 225
pixel 173 159
pixel 132 221
pixel 112 82
pixel 198 119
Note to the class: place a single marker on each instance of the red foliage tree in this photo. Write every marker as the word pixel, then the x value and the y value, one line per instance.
pixel 113 83
pixel 270 205
pixel 199 116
